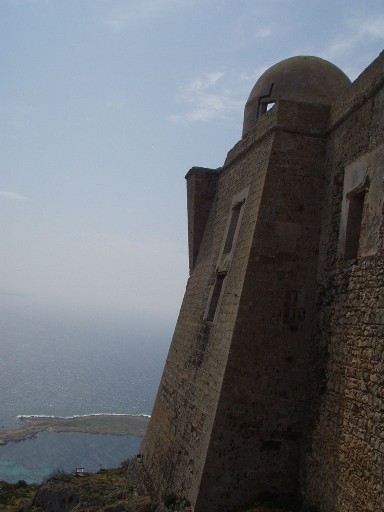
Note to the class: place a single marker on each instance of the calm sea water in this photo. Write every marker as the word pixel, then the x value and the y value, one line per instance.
pixel 64 365
pixel 33 460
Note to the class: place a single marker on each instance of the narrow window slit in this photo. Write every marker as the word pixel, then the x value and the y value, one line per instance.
pixel 354 221
pixel 216 294
pixel 232 229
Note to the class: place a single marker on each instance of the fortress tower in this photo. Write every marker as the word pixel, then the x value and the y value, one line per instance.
pixel 283 241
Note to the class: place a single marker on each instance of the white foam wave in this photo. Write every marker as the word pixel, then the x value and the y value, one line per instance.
pixel 27 416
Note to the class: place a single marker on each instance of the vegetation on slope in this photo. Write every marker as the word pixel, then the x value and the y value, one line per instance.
pixel 14 496
pixel 116 490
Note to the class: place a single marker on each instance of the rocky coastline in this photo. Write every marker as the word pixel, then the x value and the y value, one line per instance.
pixel 120 425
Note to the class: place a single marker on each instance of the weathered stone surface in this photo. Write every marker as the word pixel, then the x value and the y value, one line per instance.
pixel 274 381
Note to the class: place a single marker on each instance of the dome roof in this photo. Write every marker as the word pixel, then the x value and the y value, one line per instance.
pixel 304 78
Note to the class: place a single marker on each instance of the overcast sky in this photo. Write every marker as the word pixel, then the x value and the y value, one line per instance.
pixel 106 104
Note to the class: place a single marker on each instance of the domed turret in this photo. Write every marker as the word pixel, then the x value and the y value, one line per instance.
pixel 305 79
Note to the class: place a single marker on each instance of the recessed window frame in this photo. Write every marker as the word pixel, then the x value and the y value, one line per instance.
pixel 356 201
pixel 215 297
pixel 232 227
pixel 225 255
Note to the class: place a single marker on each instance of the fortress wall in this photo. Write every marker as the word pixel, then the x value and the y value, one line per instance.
pixel 175 445
pixel 367 85
pixel 257 433
pixel 274 378
pixel 346 460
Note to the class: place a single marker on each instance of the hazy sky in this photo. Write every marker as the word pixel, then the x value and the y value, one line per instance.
pixel 106 104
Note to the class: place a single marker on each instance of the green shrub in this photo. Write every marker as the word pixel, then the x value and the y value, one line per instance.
pixel 170 500
pixel 58 474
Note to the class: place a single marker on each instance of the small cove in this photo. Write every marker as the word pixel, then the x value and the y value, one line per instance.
pixel 34 460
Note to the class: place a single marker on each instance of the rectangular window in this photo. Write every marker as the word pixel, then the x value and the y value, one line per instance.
pixel 232 229
pixel 216 281
pixel 215 297
pixel 354 220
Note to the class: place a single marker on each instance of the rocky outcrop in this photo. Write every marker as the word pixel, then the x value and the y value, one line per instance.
pixel 118 490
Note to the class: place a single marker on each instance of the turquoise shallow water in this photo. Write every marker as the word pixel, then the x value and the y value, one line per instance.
pixel 53 364
pixel 34 460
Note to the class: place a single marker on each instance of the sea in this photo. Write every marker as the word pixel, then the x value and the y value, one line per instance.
pixel 56 363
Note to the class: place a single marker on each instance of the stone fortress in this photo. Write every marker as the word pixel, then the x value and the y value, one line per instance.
pixel 274 381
